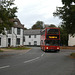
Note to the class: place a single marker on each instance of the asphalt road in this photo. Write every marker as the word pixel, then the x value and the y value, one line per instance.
pixel 37 62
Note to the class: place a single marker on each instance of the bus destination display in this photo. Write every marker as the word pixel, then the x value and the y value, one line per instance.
pixel 52 36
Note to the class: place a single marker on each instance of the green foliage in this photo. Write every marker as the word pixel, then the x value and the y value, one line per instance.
pixel 6 14
pixel 63 36
pixel 38 25
pixel 68 2
pixel 67 14
pixel 52 25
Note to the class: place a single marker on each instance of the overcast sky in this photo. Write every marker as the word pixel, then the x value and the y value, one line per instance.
pixel 31 11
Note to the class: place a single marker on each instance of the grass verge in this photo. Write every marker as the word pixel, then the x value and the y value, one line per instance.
pixel 18 48
pixel 1 50
pixel 67 47
pixel 72 54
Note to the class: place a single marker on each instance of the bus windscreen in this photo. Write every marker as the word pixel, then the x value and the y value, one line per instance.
pixel 52 42
pixel 52 31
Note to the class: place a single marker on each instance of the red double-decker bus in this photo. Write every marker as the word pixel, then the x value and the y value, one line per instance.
pixel 50 39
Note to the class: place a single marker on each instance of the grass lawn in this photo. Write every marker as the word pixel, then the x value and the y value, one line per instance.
pixel 67 47
pixel 18 48
pixel 72 54
pixel 15 48
pixel 1 50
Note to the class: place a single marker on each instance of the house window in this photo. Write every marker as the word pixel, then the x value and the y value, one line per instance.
pixel 18 41
pixel 34 36
pixel 29 36
pixel 18 31
pixel 0 41
pixel 35 42
pixel 10 31
pixel 16 23
pixel 23 39
pixel 29 43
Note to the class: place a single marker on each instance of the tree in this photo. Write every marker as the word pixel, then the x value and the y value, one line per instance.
pixel 38 25
pixel 52 25
pixel 6 14
pixel 63 36
pixel 67 14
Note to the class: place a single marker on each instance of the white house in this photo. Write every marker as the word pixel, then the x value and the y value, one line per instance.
pixel 32 37
pixel 14 36
pixel 71 41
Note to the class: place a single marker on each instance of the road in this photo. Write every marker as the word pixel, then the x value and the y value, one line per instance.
pixel 37 62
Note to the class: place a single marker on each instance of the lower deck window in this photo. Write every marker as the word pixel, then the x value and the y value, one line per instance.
pixel 52 42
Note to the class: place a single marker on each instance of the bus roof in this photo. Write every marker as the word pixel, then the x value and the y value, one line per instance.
pixel 51 28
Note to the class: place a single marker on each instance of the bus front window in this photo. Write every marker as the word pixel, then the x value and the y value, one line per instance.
pixel 52 43
pixel 52 31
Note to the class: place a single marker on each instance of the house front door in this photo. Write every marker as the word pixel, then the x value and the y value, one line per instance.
pixel 9 42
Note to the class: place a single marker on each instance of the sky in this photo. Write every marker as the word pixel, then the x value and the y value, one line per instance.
pixel 31 11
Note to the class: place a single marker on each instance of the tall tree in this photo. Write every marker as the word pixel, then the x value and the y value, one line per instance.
pixel 63 36
pixel 67 14
pixel 38 25
pixel 52 25
pixel 6 14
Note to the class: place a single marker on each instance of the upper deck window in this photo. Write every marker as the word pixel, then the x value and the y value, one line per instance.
pixel 52 31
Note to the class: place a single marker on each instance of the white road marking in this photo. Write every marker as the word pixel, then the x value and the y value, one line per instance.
pixel 42 54
pixel 4 67
pixel 31 60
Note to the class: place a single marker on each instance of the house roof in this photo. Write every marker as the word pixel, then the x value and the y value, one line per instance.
pixel 19 25
pixel 32 32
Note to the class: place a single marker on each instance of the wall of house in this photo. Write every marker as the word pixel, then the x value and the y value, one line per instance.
pixel 3 41
pixel 71 41
pixel 32 39
pixel 13 36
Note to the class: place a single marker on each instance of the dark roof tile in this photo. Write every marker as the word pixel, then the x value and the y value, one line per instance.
pixel 32 32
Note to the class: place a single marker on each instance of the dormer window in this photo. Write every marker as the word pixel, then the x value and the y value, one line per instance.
pixel 16 23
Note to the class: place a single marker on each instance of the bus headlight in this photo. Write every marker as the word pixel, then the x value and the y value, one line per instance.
pixel 46 47
pixel 57 47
